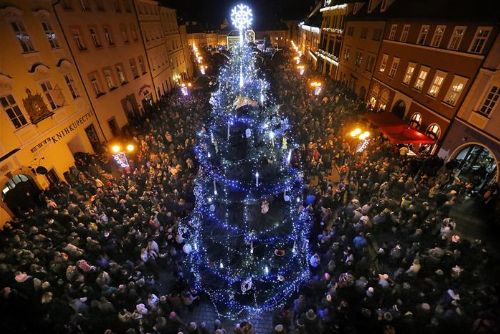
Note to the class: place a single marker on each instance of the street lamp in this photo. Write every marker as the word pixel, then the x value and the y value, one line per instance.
pixel 119 153
pixel 301 69
pixel 316 85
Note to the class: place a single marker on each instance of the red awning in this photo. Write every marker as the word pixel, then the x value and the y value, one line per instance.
pixel 396 130
pixel 404 134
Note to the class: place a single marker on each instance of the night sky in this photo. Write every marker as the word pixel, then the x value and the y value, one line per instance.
pixel 213 12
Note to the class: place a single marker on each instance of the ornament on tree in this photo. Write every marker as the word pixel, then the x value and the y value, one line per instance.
pixel 264 207
pixel 212 207
pixel 187 248
pixel 284 144
pixel 246 285
pixel 248 133
pixel 279 252
pixel 241 101
pixel 281 278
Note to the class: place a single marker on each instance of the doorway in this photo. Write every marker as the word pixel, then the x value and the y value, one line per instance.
pixel 93 138
pixel 399 108
pixel 20 194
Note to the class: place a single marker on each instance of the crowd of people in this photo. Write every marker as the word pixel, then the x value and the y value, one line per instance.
pixel 102 254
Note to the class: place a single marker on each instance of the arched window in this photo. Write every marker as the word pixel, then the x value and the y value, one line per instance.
pixel 476 164
pixel 433 131
pixel 416 120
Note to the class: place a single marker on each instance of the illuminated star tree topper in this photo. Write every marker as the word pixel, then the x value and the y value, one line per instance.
pixel 241 17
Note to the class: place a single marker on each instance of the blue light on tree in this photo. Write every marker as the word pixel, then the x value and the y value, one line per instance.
pixel 247 237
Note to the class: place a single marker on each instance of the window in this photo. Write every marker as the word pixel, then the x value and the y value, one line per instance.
pixel 359 58
pixel 141 64
pixel 456 37
pixel 22 36
pixel 479 41
pixel 95 38
pixel 364 32
pixel 133 31
pixel 47 91
pixel 347 53
pixel 383 63
pixel 392 33
pixel 416 120
pixel 66 4
pixel 99 5
pixel 350 31
pixel 116 6
pixel 51 35
pixel 409 73
pixel 71 85
pixel 94 81
pixel 123 30
pixel 490 101
pixel 109 36
pixel 422 75
pixel 121 74
pixel 394 67
pixel 108 78
pixel 433 131
pixel 422 36
pixel 12 109
pixel 436 84
pixel 77 37
pixel 404 33
pixel 133 68
pixel 377 33
pixel 369 63
pixel 85 5
pixel 126 5
pixel 438 36
pixel 455 90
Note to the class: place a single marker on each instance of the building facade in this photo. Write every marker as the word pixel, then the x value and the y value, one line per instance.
pixel 106 43
pixel 154 36
pixel 177 55
pixel 332 29
pixel 473 139
pixel 45 114
pixel 364 29
pixel 426 67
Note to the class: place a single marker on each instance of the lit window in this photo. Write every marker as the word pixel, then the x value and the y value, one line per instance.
pixel 490 101
pixel 78 39
pixel 416 120
pixel 404 33
pixel 436 84
pixel 121 74
pixel 141 64
pixel 409 73
pixel 346 54
pixel 433 131
pixel 95 38
pixel 422 75
pixel 71 85
pixel 479 41
pixel 456 37
pixel 392 33
pixel 455 90
pixel 109 36
pixel 22 36
pixel 51 35
pixel 123 30
pixel 94 81
pixel 359 58
pixel 133 68
pixel 438 36
pixel 48 92
pixel 383 63
pixel 422 36
pixel 394 67
pixel 12 110
pixel 108 77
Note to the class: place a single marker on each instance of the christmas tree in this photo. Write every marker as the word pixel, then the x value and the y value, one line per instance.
pixel 247 237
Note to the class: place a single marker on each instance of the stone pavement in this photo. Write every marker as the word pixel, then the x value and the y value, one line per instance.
pixel 205 311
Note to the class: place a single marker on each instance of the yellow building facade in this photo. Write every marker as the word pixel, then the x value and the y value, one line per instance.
pixel 176 52
pixel 45 115
pixel 105 40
